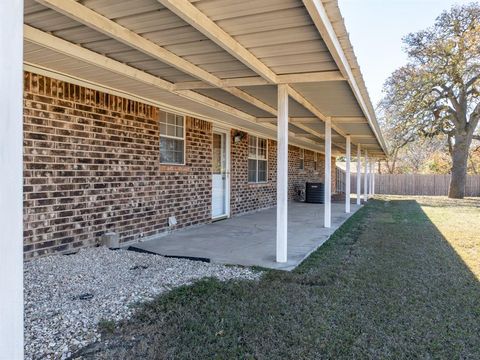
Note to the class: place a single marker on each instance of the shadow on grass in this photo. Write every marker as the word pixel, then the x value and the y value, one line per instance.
pixel 386 285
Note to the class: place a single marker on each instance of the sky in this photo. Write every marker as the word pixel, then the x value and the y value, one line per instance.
pixel 376 30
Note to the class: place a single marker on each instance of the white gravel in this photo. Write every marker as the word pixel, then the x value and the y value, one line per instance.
pixel 58 322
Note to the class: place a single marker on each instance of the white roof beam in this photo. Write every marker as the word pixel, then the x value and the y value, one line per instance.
pixel 304 120
pixel 190 14
pixel 320 76
pixel 349 120
pixel 293 120
pixel 258 81
pixel 192 85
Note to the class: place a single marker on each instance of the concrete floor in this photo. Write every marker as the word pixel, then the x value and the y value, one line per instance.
pixel 250 239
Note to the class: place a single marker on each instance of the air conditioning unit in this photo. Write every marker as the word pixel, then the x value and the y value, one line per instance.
pixel 314 193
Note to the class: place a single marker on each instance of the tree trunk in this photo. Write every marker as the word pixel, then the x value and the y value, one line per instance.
pixel 459 167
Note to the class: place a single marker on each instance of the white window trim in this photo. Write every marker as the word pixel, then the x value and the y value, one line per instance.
pixel 257 159
pixel 183 138
pixel 228 143
pixel 302 157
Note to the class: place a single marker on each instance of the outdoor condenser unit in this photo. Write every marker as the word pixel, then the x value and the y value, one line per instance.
pixel 314 193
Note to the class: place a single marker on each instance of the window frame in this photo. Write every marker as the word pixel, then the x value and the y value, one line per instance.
pixel 183 138
pixel 256 158
pixel 301 166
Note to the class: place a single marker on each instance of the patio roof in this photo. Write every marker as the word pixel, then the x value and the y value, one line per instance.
pixel 215 59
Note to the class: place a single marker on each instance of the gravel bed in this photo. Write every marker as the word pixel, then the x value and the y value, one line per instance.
pixel 67 295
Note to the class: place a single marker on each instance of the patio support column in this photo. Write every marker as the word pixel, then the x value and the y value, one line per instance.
pixel 328 174
pixel 11 180
pixel 359 175
pixel 282 173
pixel 369 178
pixel 373 180
pixel 347 175
pixel 365 178
pixel 372 170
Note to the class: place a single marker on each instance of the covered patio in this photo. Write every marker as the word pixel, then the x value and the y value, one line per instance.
pixel 283 70
pixel 250 239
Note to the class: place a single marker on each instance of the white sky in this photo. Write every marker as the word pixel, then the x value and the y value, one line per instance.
pixel 376 29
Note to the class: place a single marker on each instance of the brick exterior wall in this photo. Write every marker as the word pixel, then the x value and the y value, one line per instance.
pixel 247 197
pixel 91 165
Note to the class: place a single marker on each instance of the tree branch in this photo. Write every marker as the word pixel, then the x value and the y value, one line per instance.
pixel 472 81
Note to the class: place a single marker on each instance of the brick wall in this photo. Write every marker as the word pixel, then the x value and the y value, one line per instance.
pixel 91 165
pixel 248 197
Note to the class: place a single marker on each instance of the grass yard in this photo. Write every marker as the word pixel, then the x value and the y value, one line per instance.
pixel 399 280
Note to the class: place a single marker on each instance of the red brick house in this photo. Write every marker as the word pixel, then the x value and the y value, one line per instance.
pixel 149 115
pixel 93 163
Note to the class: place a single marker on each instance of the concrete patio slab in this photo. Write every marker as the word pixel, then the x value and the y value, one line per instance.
pixel 250 239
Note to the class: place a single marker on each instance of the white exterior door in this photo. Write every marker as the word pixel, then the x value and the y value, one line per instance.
pixel 220 175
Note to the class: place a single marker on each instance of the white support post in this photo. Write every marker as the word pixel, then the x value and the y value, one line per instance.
pixel 282 173
pixel 359 175
pixel 328 175
pixel 365 178
pixel 372 170
pixel 373 181
pixel 347 175
pixel 11 180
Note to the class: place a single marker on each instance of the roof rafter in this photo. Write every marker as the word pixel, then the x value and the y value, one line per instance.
pixel 349 120
pixel 258 81
pixel 292 120
pixel 191 15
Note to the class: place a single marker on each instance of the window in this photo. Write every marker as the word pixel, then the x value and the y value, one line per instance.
pixel 315 160
pixel 302 159
pixel 172 138
pixel 257 159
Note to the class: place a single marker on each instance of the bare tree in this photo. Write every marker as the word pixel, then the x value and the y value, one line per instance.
pixel 416 154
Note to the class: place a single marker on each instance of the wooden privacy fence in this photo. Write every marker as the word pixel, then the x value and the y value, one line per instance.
pixel 410 184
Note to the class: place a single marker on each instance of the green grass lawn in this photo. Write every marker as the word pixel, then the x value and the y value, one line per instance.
pixel 399 280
